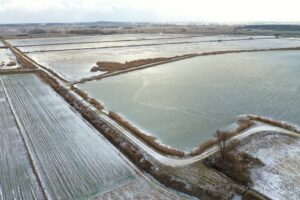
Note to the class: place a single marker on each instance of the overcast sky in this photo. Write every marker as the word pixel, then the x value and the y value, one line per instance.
pixel 25 11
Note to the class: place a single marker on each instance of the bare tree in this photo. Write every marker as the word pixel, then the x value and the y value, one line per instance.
pixel 222 138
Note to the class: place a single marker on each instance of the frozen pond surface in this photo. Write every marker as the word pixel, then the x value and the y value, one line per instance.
pixel 184 102
pixel 72 66
pixel 73 161
pixel 75 65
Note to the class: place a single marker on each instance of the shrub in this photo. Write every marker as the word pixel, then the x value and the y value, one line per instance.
pixel 117 66
pixel 11 63
pixel 204 146
pixel 97 104
pixel 81 93
pixel 234 164
pixel 274 123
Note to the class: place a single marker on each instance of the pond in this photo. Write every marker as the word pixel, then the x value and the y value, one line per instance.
pixel 183 103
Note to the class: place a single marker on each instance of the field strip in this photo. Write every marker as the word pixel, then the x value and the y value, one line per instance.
pixel 104 41
pixel 73 160
pixel 140 45
pixel 18 176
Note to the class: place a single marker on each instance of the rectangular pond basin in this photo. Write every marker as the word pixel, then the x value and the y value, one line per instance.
pixel 183 103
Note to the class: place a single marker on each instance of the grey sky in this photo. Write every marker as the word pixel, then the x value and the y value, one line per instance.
pixel 20 11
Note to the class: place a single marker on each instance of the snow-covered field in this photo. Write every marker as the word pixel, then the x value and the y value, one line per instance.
pixel 139 189
pixel 17 179
pixel 73 160
pixel 7 58
pixel 76 64
pixel 279 179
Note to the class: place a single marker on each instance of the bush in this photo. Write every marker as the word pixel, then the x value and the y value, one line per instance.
pixel 116 66
pixel 11 63
pixel 97 104
pixel 234 164
pixel 81 93
pixel 202 147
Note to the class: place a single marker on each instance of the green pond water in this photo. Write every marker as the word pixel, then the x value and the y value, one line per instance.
pixel 183 103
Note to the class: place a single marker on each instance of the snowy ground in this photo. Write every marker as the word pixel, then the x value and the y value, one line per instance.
pixel 71 160
pixel 17 178
pixel 279 179
pixel 139 189
pixel 89 39
pixel 6 57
